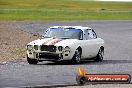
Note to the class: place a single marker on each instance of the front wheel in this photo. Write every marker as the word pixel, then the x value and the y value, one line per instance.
pixel 77 57
pixel 32 61
pixel 100 55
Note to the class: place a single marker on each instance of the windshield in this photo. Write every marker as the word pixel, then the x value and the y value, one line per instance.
pixel 63 33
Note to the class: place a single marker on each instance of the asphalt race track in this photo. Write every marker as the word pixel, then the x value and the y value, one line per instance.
pixel 117 59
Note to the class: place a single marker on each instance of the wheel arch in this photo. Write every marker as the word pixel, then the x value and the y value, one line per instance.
pixel 102 47
pixel 80 49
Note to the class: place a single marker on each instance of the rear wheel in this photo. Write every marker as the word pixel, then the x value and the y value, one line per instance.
pixel 32 61
pixel 100 55
pixel 77 57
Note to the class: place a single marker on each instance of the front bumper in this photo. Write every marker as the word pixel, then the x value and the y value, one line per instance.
pixel 49 56
pixel 45 56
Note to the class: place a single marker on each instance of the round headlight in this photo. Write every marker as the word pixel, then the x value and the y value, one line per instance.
pixel 36 47
pixel 29 47
pixel 60 48
pixel 67 49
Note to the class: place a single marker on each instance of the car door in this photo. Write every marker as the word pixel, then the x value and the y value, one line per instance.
pixel 85 45
pixel 90 42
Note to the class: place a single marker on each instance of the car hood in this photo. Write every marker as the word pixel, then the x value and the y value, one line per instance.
pixel 51 41
pixel 38 41
pixel 67 42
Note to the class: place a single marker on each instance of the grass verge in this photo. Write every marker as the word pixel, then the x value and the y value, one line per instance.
pixel 64 10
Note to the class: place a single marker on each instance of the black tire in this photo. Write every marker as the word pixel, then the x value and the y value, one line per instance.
pixel 100 55
pixel 32 61
pixel 77 57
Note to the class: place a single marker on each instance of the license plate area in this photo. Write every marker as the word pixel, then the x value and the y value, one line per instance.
pixel 48 56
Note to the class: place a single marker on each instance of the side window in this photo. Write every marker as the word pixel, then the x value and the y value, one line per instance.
pixel 94 34
pixel 90 34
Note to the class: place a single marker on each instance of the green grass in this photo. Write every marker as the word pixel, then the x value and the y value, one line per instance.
pixel 64 10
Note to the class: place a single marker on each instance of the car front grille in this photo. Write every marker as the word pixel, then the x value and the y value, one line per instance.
pixel 51 48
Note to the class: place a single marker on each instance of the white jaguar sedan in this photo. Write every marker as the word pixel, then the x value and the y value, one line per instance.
pixel 73 43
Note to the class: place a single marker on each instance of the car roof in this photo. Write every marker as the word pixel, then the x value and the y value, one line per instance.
pixel 72 27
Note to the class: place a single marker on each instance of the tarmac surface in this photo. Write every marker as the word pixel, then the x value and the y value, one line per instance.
pixel 117 59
